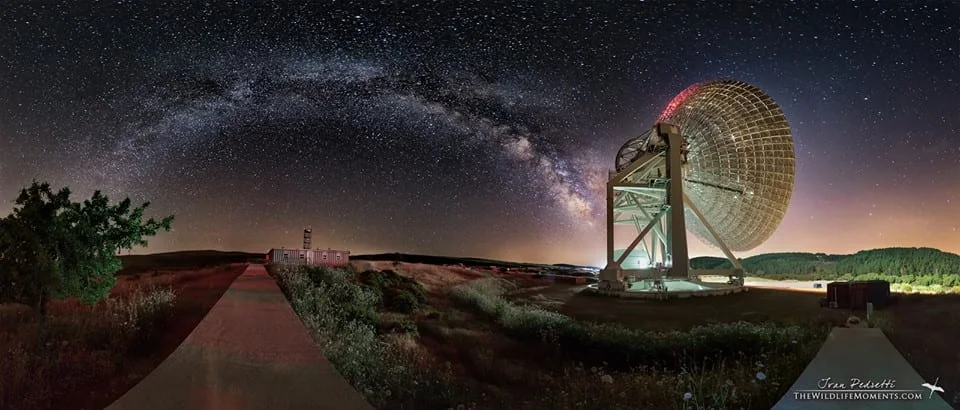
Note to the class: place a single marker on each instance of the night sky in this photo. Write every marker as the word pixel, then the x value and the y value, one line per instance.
pixel 474 129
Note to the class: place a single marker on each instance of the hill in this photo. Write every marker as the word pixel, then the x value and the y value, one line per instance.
pixel 886 262
pixel 184 259
pixel 465 261
pixel 775 263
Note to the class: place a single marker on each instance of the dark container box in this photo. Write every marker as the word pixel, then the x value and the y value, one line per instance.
pixel 856 295
pixel 873 291
pixel 838 295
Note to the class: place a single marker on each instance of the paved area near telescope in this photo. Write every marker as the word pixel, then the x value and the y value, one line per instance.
pixel 865 354
pixel 249 352
pixel 798 285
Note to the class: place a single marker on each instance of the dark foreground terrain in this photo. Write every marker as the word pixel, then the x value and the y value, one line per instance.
pixel 85 357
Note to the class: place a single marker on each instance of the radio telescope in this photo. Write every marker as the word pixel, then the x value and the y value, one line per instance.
pixel 722 155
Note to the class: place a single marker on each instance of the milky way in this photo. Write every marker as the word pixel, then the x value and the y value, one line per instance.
pixel 479 129
pixel 199 102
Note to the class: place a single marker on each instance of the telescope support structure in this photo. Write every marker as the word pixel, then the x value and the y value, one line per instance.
pixel 648 195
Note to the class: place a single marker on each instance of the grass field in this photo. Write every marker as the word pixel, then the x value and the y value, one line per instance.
pixel 487 346
pixel 539 344
pixel 923 327
pixel 467 337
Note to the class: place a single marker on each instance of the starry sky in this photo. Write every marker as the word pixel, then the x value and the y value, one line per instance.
pixel 469 128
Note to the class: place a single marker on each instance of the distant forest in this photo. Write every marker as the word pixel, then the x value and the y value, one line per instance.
pixel 918 266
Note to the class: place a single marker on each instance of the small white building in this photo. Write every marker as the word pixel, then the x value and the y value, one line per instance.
pixel 316 257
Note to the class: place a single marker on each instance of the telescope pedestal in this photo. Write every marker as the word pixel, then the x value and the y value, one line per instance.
pixel 611 279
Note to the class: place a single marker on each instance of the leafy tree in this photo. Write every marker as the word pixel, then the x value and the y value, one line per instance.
pixel 51 247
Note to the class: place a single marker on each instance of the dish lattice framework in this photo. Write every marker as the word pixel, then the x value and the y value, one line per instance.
pixel 740 162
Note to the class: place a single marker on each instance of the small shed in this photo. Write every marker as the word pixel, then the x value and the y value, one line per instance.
pixel 856 294
pixel 838 295
pixel 314 257
pixel 876 292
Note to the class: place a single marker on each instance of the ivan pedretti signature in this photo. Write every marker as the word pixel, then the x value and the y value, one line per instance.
pixel 857 384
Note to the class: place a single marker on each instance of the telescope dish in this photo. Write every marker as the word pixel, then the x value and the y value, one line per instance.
pixel 728 145
pixel 740 165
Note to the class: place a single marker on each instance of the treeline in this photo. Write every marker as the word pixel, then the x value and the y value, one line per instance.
pixel 918 266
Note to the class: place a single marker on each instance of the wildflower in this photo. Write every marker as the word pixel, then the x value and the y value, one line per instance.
pixel 608 379
pixel 729 382
pixel 593 370
pixel 793 341
pixel 687 396
pixel 761 376
pixel 759 365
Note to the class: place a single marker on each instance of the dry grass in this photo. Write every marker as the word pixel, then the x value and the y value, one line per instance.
pixel 737 365
pixel 431 277
pixel 500 355
pixel 925 329
pixel 43 359
pixel 754 306
pixel 84 357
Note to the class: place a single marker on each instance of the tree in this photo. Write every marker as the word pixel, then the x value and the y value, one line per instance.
pixel 51 247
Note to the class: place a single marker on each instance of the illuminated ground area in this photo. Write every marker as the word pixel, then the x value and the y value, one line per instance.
pixel 672 288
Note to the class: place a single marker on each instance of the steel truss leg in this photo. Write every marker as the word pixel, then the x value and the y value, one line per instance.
pixel 738 268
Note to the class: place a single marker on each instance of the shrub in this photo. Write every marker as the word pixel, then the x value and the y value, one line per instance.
pixel 405 302
pixel 143 315
pixel 407 326
pixel 339 314
pixel 398 293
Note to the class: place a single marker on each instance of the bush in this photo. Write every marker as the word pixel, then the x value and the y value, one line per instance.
pixel 398 293
pixel 339 313
pixel 405 302
pixel 407 326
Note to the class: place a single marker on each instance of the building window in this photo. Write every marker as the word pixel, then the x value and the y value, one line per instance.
pixel 338 256
pixel 324 256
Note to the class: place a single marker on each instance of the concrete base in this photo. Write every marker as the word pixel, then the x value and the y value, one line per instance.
pixel 681 289
pixel 611 280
